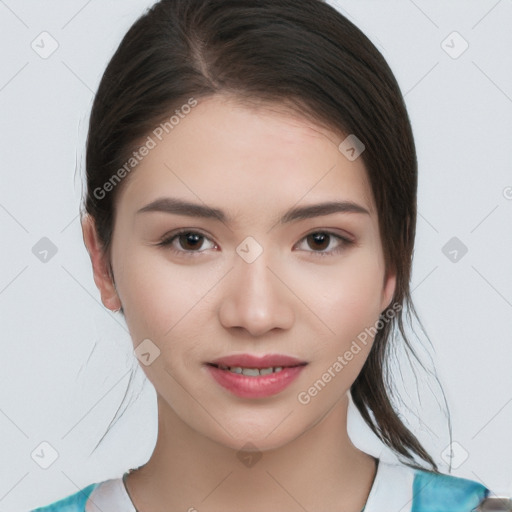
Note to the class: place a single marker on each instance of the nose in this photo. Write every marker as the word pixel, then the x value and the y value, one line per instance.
pixel 256 298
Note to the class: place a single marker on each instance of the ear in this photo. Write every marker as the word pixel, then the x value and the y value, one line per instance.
pixel 100 265
pixel 388 290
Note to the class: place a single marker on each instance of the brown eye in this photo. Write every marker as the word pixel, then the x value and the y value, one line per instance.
pixel 321 243
pixel 187 242
pixel 190 241
pixel 318 241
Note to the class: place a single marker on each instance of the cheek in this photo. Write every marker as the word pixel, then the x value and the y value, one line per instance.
pixel 159 298
pixel 345 295
pixel 346 298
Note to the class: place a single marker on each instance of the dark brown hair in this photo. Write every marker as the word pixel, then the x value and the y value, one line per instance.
pixel 304 55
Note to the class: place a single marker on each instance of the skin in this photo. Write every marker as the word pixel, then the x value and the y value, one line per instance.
pixel 253 163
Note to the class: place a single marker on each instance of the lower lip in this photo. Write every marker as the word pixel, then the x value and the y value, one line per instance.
pixel 255 387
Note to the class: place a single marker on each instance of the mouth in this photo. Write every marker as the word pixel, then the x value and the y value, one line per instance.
pixel 249 376
pixel 250 361
pixel 252 372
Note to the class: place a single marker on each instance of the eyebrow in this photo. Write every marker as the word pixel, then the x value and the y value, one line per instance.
pixel 182 207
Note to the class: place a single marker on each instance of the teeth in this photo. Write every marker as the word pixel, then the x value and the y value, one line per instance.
pixel 251 372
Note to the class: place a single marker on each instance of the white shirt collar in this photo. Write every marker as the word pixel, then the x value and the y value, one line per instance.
pixel 391 490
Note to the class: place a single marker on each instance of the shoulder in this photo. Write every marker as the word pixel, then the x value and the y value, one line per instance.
pixel 398 486
pixel 73 503
pixel 99 497
pixel 456 494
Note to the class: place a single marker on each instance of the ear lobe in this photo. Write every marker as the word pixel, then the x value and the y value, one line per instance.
pixel 100 265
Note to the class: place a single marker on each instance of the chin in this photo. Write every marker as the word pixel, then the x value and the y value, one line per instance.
pixel 260 438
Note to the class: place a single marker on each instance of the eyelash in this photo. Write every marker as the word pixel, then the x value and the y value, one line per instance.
pixel 167 241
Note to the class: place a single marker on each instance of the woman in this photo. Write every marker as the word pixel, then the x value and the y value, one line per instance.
pixel 251 211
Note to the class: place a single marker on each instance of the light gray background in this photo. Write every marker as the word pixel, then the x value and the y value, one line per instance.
pixel 65 359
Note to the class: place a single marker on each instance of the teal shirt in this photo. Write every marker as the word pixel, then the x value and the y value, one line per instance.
pixel 432 492
pixel 73 503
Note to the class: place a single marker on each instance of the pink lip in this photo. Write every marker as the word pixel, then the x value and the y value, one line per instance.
pixel 256 387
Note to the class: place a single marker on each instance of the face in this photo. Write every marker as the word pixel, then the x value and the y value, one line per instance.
pixel 266 275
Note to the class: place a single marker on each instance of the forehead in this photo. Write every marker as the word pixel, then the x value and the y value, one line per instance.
pixel 227 152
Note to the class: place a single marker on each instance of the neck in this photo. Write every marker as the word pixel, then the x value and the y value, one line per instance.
pixel 319 470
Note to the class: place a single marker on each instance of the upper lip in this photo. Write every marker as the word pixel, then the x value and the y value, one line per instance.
pixel 254 361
